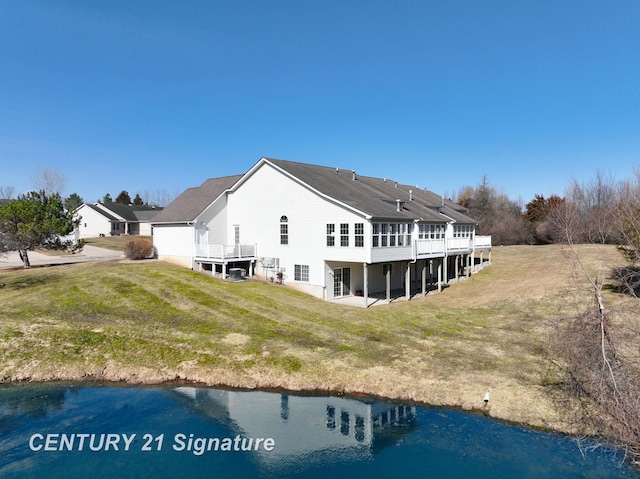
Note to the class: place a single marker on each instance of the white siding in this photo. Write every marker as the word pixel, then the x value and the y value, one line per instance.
pixel 145 229
pixel 215 219
pixel 175 243
pixel 92 223
pixel 267 195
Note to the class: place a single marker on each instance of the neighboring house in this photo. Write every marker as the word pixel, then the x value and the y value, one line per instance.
pixel 326 231
pixel 115 219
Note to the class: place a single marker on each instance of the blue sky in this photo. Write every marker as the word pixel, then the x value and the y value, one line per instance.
pixel 147 95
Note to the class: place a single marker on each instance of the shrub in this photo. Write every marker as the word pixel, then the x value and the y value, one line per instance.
pixel 138 248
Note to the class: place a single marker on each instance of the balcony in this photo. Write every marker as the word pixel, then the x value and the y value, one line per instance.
pixel 482 242
pixel 222 252
pixel 459 244
pixel 429 247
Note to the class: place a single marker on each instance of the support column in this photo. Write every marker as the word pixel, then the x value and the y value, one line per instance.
pixel 407 282
pixel 442 260
pixel 388 279
pixel 424 275
pixel 224 270
pixel 250 269
pixel 365 272
pixel 445 273
pixel 469 264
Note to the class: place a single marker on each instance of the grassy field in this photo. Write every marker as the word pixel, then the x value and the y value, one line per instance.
pixel 151 322
pixel 115 243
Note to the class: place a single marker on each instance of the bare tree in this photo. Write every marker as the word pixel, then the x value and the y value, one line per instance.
pixel 604 382
pixel 49 180
pixel 7 192
pixel 160 197
pixel 628 217
pixel 497 215
pixel 596 202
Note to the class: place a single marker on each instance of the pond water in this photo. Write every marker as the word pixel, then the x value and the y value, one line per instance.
pixel 70 431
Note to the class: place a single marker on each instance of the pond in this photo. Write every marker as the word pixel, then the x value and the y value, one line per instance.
pixel 63 430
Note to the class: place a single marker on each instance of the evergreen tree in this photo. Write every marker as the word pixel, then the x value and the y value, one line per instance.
pixel 32 221
pixel 137 200
pixel 123 198
pixel 73 202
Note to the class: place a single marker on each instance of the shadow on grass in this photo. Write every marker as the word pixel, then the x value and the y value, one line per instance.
pixel 626 280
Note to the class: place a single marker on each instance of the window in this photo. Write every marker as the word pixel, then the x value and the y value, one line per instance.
pixel 344 234
pixel 359 234
pixel 331 239
pixel 284 230
pixel 385 233
pixel 301 272
pixel 376 235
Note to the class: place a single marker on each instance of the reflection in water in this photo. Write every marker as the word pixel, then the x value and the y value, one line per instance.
pixel 304 427
pixel 313 437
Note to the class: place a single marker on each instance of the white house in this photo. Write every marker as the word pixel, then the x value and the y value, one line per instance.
pixel 114 219
pixel 306 429
pixel 326 231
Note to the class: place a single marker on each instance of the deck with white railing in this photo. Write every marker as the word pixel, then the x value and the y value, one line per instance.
pixel 425 248
pixel 429 247
pixel 222 252
pixel 482 242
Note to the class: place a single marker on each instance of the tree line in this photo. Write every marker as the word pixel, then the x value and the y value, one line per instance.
pixel 600 210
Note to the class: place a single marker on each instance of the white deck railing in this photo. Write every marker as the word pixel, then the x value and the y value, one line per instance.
pixel 482 242
pixel 429 246
pixel 458 244
pixel 223 251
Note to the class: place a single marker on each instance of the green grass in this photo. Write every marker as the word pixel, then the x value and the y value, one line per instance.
pixel 152 321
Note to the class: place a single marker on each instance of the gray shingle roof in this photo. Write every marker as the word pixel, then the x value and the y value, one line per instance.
pixel 193 201
pixel 131 213
pixel 376 197
pixel 103 212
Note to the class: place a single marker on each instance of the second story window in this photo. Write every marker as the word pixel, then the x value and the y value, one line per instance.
pixel 359 234
pixel 331 239
pixel 284 230
pixel 344 234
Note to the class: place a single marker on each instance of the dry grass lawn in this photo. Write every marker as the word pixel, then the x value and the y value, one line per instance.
pixel 152 322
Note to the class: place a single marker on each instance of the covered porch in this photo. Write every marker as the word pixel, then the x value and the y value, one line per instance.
pixel 370 284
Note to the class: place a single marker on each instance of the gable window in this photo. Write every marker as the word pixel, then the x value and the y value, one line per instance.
pixel 331 239
pixel 359 234
pixel 301 272
pixel 344 234
pixel 284 230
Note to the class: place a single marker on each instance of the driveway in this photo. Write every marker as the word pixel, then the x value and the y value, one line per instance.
pixel 89 253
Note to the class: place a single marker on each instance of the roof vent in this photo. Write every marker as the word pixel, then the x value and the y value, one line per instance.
pixel 410 195
pixel 353 175
pixel 337 170
pixel 398 205
pixel 396 184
